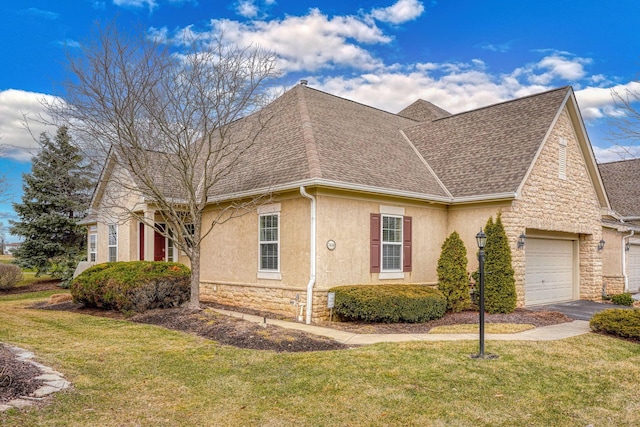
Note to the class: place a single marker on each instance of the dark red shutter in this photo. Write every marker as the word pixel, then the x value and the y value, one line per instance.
pixel 375 243
pixel 406 243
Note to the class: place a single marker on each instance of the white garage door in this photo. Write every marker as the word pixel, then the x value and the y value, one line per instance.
pixel 633 268
pixel 548 271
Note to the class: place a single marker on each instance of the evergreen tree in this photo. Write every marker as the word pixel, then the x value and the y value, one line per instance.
pixel 499 280
pixel 453 281
pixel 56 196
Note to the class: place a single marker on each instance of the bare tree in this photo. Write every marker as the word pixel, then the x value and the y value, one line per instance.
pixel 625 123
pixel 166 120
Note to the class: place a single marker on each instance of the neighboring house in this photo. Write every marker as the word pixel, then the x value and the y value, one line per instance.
pixel 621 226
pixel 363 196
pixel 10 248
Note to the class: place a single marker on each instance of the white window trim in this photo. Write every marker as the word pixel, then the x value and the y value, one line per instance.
pixel 268 210
pixel 93 251
pixel 109 245
pixel 396 271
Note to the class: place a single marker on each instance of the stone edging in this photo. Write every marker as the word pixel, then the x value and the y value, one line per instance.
pixel 53 381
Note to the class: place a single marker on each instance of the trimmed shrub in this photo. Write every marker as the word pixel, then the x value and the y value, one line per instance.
pixel 499 279
pixel 389 303
pixel 10 275
pixel 133 286
pixel 453 280
pixel 622 299
pixel 617 321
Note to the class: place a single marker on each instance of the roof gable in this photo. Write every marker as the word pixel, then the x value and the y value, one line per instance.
pixel 423 111
pixel 488 151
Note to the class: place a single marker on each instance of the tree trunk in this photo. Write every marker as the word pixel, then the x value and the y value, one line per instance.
pixel 194 302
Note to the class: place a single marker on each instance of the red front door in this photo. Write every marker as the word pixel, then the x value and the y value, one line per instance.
pixel 141 241
pixel 158 244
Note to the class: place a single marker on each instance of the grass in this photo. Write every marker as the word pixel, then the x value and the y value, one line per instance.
pixel 489 328
pixel 127 374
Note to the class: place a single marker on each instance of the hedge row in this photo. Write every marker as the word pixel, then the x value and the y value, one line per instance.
pixel 133 286
pixel 389 303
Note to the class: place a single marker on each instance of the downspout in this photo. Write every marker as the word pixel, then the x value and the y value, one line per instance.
pixel 624 261
pixel 312 255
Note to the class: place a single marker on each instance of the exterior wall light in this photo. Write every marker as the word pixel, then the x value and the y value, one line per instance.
pixel 627 246
pixel 600 245
pixel 521 240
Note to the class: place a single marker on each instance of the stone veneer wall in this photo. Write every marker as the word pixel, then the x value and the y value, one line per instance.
pixel 550 204
pixel 614 284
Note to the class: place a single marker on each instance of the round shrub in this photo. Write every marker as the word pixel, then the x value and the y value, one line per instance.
pixel 10 275
pixel 622 299
pixel 617 321
pixel 389 303
pixel 133 286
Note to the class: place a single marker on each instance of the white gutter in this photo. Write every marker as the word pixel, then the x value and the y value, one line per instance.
pixel 312 255
pixel 624 261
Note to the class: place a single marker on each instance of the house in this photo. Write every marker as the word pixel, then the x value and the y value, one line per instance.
pixel 621 227
pixel 10 248
pixel 364 196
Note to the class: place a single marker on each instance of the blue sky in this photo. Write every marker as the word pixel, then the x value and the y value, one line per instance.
pixel 459 55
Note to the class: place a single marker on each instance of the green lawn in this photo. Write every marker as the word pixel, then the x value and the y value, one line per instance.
pixel 127 374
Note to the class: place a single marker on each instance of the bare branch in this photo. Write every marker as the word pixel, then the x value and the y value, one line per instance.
pixel 169 123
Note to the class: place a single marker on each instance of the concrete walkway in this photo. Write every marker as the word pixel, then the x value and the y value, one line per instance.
pixel 546 333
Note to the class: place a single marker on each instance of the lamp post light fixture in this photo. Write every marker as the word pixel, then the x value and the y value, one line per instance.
pixel 481 240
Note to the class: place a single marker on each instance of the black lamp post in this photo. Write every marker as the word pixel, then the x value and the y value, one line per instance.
pixel 481 239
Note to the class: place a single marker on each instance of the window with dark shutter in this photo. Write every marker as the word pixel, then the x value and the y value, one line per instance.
pixel 406 244
pixel 375 243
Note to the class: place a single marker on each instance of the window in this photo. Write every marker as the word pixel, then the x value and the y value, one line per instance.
pixel 269 242
pixel 93 243
pixel 171 250
pixel 93 246
pixel 113 243
pixel 390 243
pixel 562 156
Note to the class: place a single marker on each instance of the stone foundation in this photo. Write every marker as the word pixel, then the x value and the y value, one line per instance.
pixel 278 300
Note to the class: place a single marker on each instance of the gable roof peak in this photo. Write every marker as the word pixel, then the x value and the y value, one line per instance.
pixel 422 111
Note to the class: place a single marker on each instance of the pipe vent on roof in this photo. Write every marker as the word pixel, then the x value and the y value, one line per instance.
pixel 303 82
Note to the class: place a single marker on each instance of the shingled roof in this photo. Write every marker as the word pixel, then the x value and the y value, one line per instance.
pixel 488 150
pixel 315 138
pixel 621 182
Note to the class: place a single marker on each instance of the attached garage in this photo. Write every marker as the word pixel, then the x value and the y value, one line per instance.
pixel 633 267
pixel 549 271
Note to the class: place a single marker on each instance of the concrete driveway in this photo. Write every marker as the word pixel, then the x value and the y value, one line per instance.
pixel 578 310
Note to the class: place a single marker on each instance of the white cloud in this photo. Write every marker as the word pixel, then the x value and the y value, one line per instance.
pixel 151 4
pixel 17 142
pixel 400 12
pixel 616 153
pixel 308 43
pixel 597 102
pixel 247 8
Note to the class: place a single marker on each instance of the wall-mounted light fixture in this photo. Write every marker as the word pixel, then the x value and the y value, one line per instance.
pixel 627 246
pixel 600 245
pixel 521 240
